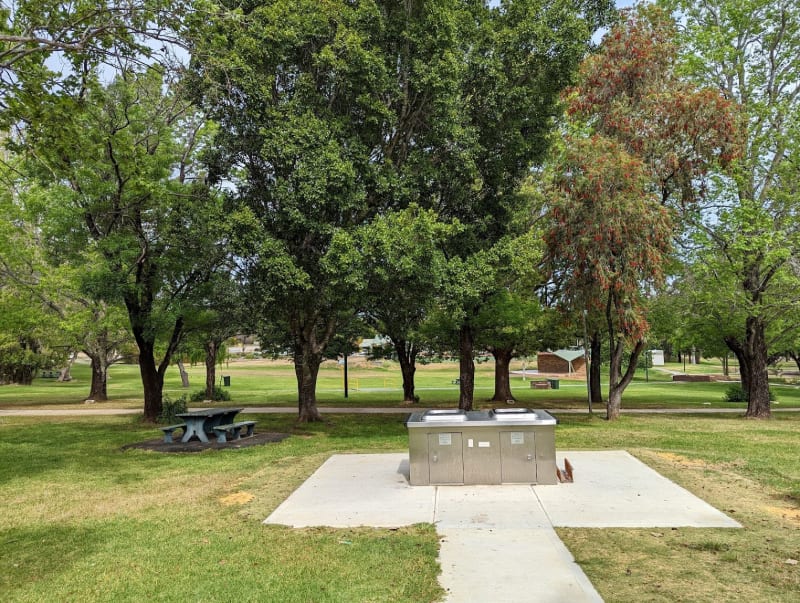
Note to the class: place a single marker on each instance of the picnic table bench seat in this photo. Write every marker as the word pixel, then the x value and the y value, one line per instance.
pixel 169 429
pixel 236 428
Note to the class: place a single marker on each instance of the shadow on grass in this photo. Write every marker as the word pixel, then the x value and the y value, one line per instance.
pixel 45 551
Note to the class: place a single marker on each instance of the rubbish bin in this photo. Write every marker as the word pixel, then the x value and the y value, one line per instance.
pixel 553 383
pixel 226 380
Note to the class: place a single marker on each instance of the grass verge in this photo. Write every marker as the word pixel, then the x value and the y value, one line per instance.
pixel 263 382
pixel 86 521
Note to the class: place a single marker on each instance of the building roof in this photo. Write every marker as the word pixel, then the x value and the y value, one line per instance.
pixel 569 355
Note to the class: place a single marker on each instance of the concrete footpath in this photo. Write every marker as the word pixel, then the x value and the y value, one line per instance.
pixel 497 542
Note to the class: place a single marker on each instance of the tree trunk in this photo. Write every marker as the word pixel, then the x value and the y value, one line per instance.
pixel 502 381
pixel 152 374
pixel 152 381
pixel 306 368
pixel 211 348
pixel 796 357
pixel 65 372
pixel 758 403
pixel 614 404
pixel 184 374
pixel 407 356
pixel 98 390
pixel 595 364
pixel 466 340
pixel 617 382
pixel 752 356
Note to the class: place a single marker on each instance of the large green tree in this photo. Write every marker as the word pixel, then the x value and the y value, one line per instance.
pixel 401 268
pixel 121 161
pixel 332 113
pixel 518 57
pixel 49 287
pixel 83 34
pixel 301 91
pixel 748 237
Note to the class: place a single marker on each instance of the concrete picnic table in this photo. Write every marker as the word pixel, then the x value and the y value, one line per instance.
pixel 202 422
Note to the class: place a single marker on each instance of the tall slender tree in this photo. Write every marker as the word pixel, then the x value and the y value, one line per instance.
pixel 610 240
pixel 646 132
pixel 122 159
pixel 748 236
pixel 519 57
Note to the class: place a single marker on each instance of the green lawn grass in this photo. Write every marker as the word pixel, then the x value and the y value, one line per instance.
pixel 85 520
pixel 257 382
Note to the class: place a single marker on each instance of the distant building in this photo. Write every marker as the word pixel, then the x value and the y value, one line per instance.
pixel 562 362
pixel 366 345
pixel 657 357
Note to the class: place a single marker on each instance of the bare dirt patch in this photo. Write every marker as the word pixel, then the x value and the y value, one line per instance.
pixel 682 460
pixel 787 513
pixel 237 498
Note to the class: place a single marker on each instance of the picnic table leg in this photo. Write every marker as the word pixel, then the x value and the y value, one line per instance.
pixel 192 430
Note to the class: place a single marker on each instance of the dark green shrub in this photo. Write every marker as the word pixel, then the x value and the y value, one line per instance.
pixel 170 408
pixel 220 395
pixel 736 393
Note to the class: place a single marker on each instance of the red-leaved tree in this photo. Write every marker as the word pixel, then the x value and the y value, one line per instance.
pixel 610 241
pixel 631 92
pixel 646 142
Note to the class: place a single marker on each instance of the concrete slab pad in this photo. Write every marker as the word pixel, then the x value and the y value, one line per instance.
pixel 615 489
pixel 510 566
pixel 358 490
pixel 489 507
pixel 498 543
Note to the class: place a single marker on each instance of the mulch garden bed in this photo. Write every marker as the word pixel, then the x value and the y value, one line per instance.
pixel 159 445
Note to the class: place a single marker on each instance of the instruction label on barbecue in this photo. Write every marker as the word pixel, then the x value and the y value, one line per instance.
pixel 445 439
pixel 517 437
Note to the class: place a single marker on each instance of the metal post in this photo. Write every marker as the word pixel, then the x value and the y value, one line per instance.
pixel 586 363
pixel 345 374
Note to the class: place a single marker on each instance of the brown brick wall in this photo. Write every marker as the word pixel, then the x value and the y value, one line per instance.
pixel 550 363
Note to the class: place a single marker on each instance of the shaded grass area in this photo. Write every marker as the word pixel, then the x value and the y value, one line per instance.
pixel 84 520
pixel 260 382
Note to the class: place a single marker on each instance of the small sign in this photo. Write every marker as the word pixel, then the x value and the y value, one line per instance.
pixel 484 444
pixel 517 437
pixel 445 439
